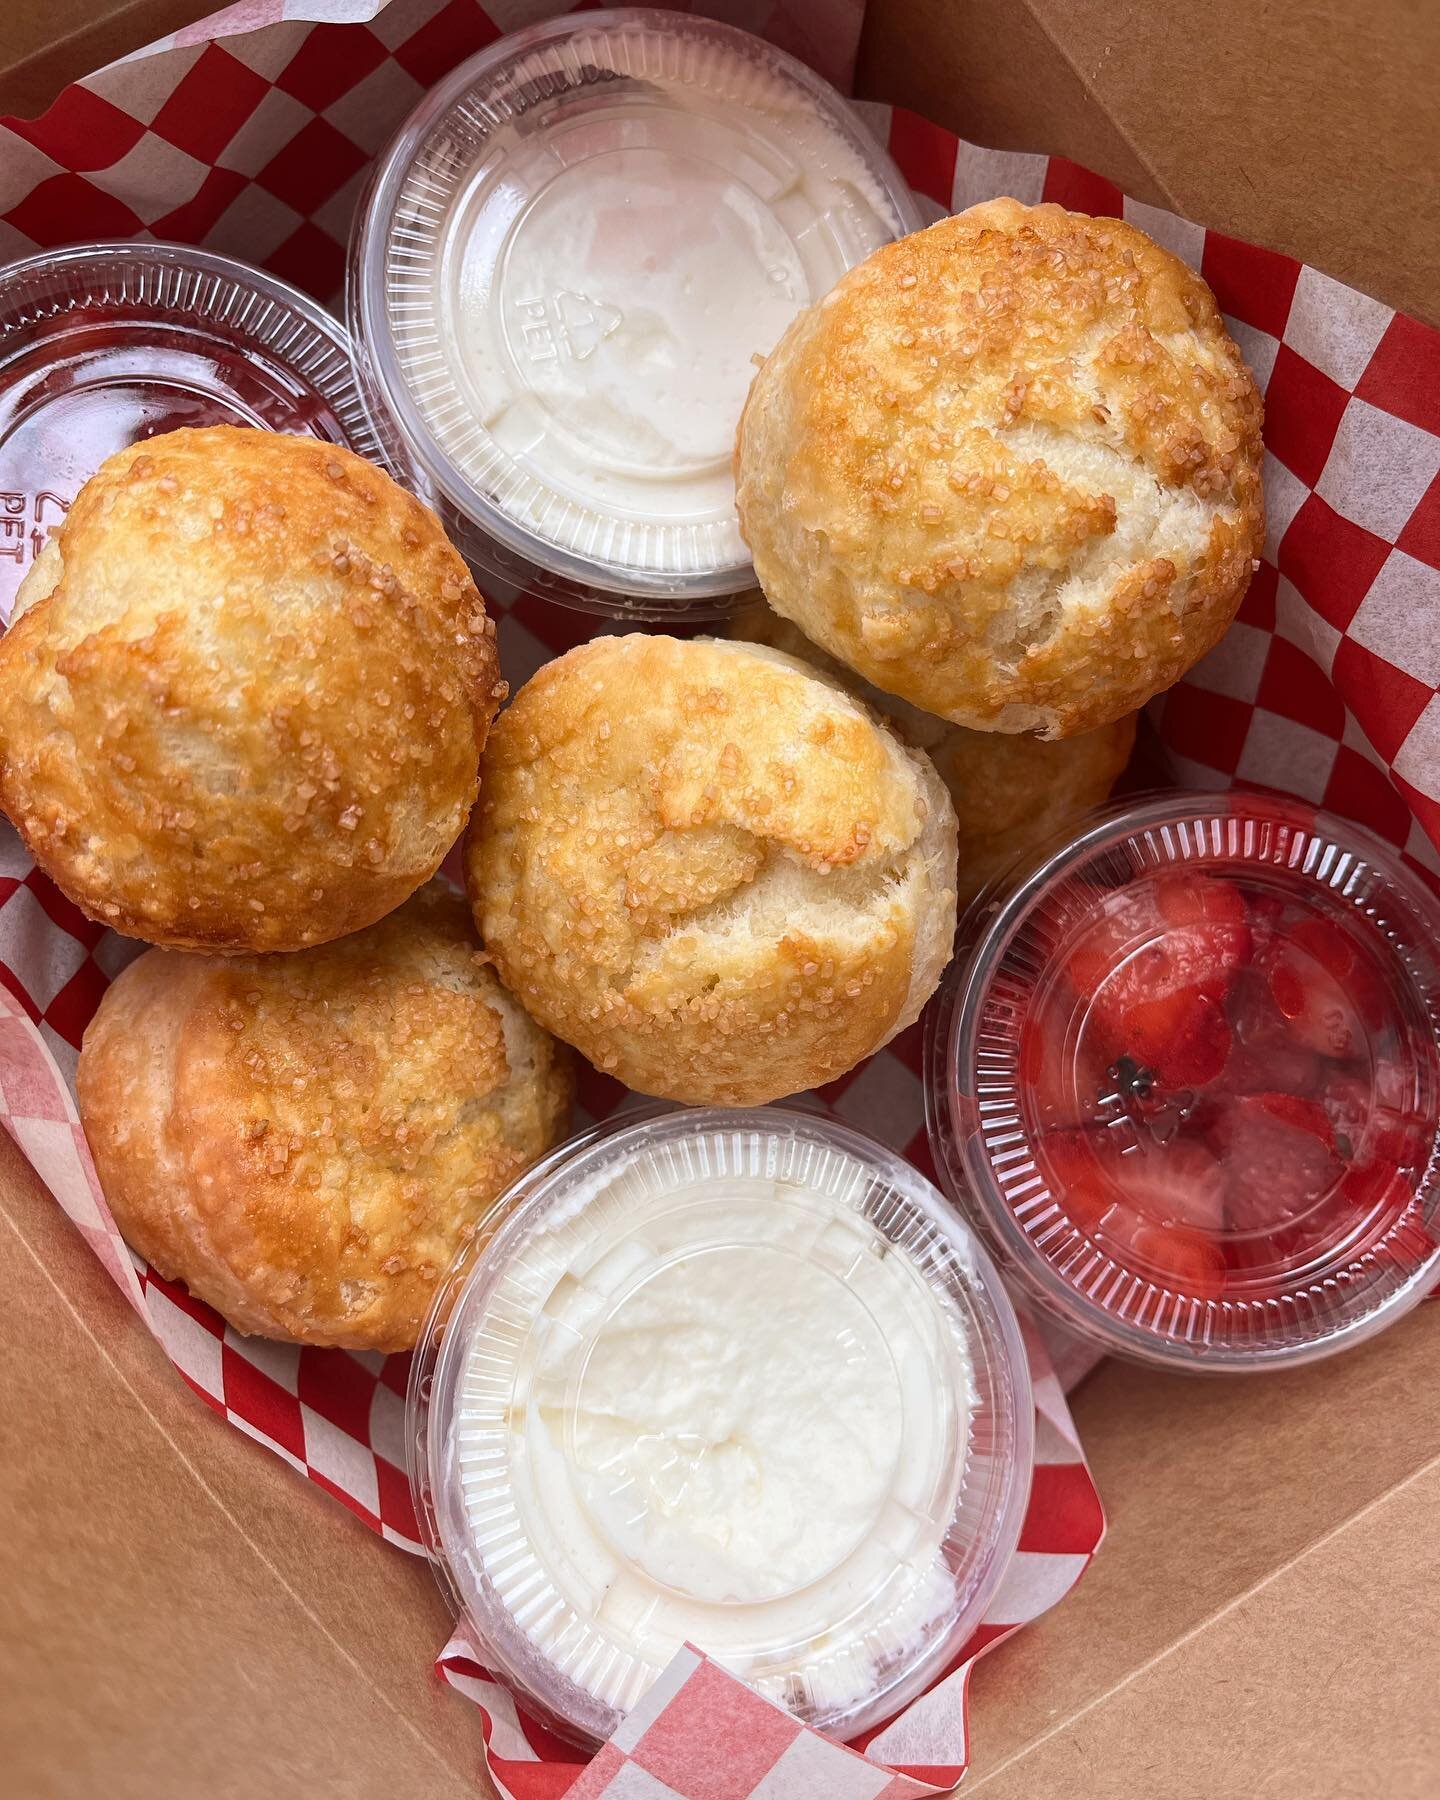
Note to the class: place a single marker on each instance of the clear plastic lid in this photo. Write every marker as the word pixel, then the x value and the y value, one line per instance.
pixel 1187 1081
pixel 102 345
pixel 569 260
pixel 741 1379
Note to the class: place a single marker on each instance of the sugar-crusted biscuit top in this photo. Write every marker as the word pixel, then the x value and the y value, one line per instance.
pixel 243 705
pixel 710 869
pixel 1008 469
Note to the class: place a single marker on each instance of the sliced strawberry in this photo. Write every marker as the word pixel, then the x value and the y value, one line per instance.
pixel 1330 945
pixel 1216 921
pixel 1370 1118
pixel 1260 1069
pixel 1375 1185
pixel 1316 1215
pixel 1064 1083
pixel 1265 1058
pixel 1158 1210
pixel 1184 1037
pixel 1353 1218
pixel 1191 1263
pixel 1072 1163
pixel 1120 919
pixel 1320 989
pixel 1315 1007
pixel 1132 951
pixel 1174 1184
pixel 1201 899
pixel 1304 1114
pixel 1327 942
pixel 1151 959
pixel 1267 919
pixel 1278 1159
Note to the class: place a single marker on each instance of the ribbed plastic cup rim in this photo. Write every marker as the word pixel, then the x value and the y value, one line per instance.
pixel 295 329
pixel 1007 1421
pixel 1336 853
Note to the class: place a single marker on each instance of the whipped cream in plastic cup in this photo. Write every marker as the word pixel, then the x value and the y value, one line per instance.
pixel 741 1379
pixel 1184 1076
pixel 568 261
pixel 104 344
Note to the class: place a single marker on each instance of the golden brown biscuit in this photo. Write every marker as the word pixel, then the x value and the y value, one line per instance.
pixel 244 703
pixel 709 868
pixel 307 1141
pixel 1010 790
pixel 1009 469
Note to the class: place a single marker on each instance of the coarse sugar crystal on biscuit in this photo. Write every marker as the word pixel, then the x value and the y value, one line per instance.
pixel 309 1140
pixel 709 868
pixel 243 700
pixel 1008 469
pixel 1012 791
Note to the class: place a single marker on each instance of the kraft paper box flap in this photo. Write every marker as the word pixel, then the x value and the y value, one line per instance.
pixel 1309 128
pixel 195 1620
pixel 1342 1710
pixel 1212 1488
pixel 46 44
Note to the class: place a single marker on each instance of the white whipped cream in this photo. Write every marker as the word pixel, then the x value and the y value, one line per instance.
pixel 723 1411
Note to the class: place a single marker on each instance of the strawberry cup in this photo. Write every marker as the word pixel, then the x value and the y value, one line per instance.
pixel 1185 1076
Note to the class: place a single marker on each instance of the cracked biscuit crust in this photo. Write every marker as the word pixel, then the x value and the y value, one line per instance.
pixel 1011 790
pixel 709 868
pixel 1008 469
pixel 244 703
pixel 307 1141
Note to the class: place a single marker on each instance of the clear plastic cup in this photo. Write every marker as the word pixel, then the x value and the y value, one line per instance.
pixel 738 1378
pixel 1186 1080
pixel 102 345
pixel 567 262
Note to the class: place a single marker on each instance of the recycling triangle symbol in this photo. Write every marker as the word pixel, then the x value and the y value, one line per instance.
pixel 586 322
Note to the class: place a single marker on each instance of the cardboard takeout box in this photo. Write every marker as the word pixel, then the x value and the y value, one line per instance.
pixel 181 1616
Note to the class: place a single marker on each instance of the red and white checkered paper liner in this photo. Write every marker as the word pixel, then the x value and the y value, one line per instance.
pixel 251 133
